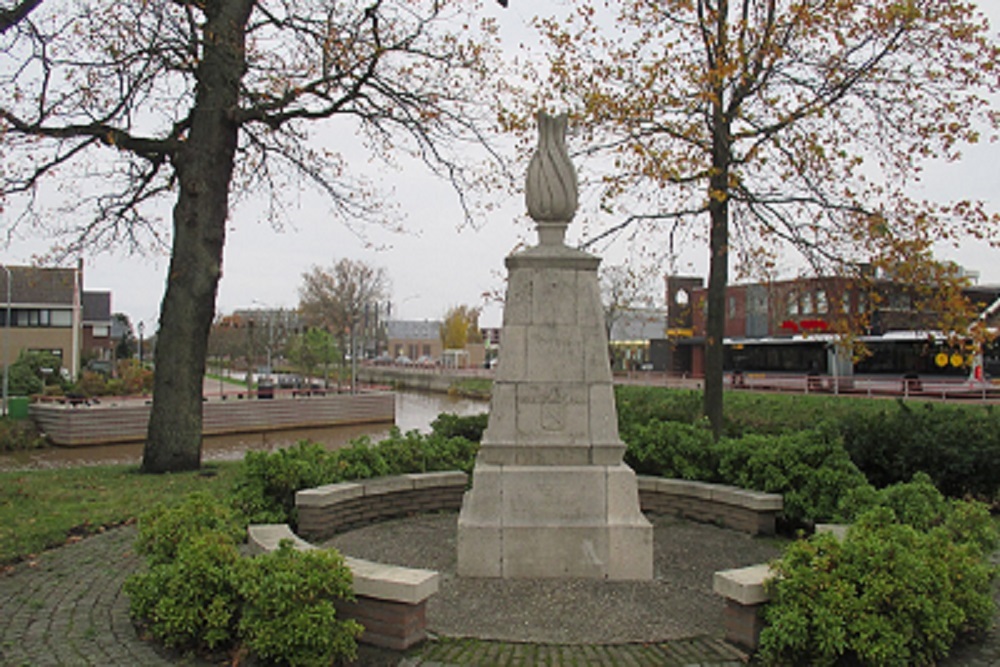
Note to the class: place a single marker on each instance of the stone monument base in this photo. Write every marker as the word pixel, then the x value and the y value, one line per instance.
pixel 554 522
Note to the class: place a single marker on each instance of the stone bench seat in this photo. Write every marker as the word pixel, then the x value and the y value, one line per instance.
pixel 326 510
pixel 390 600
pixel 744 590
pixel 752 512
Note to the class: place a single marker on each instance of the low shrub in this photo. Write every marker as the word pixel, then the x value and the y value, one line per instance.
pixel 639 405
pixel 470 427
pixel 958 446
pixel 190 601
pixel 19 434
pixel 811 469
pixel 265 492
pixel 200 594
pixel 163 530
pixel 288 614
pixel 672 449
pixel 908 579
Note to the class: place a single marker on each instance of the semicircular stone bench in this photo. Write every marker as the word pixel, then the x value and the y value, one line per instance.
pixel 327 510
pixel 391 600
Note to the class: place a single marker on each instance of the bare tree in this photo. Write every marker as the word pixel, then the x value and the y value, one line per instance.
pixel 338 299
pixel 126 104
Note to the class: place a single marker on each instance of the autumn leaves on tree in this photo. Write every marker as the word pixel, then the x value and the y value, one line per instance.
pixel 774 124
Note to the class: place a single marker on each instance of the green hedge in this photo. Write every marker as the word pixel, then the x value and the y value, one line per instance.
pixel 810 468
pixel 265 491
pixel 957 445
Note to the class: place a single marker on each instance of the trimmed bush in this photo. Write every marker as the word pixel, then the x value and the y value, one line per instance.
pixel 288 612
pixel 163 530
pixel 470 427
pixel 811 469
pixel 958 447
pixel 265 492
pixel 19 434
pixel 672 449
pixel 190 601
pixel 199 594
pixel 898 590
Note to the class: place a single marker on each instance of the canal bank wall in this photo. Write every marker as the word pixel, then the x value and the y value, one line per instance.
pixel 70 425
pixel 469 384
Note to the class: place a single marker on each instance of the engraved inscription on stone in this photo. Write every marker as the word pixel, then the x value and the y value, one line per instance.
pixel 554 411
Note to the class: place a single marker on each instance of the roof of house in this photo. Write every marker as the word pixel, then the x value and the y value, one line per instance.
pixel 96 306
pixel 33 285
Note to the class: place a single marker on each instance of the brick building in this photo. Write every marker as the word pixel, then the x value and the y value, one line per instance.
pixel 792 326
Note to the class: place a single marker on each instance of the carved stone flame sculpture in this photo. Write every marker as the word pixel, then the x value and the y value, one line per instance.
pixel 551 188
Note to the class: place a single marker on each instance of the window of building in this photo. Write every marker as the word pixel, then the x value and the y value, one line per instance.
pixel 900 301
pixel 732 307
pixel 807 304
pixel 793 303
pixel 37 317
pixel 101 331
pixel 821 304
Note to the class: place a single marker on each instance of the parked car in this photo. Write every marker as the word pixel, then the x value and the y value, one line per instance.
pixel 403 360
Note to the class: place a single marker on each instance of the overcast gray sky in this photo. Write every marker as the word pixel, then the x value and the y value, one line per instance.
pixel 438 263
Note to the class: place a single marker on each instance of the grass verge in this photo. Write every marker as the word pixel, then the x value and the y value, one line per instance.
pixel 41 509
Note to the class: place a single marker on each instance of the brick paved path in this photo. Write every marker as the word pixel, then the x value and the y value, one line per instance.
pixel 67 608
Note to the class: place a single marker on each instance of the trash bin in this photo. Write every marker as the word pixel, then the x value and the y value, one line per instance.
pixel 17 407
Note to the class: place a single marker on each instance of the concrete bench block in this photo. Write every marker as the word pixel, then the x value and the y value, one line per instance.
pixel 838 530
pixel 264 538
pixel 448 478
pixel 387 485
pixel 745 585
pixel 392 582
pixel 331 494
pixel 752 500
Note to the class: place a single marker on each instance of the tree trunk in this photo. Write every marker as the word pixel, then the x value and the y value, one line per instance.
pixel 204 167
pixel 718 272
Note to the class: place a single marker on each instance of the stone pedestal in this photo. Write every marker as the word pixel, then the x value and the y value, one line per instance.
pixel 550 495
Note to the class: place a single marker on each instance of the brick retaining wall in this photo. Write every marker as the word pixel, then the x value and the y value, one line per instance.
pixel 335 508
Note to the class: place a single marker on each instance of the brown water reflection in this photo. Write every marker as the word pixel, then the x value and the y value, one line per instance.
pixel 413 411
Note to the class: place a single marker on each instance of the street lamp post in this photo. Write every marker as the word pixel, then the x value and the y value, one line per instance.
pixel 142 329
pixel 6 344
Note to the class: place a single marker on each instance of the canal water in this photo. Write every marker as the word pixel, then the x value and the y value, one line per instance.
pixel 414 410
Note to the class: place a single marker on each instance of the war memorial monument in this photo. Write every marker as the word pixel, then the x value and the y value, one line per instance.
pixel 551 496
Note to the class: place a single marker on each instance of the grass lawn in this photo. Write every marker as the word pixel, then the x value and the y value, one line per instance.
pixel 41 509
